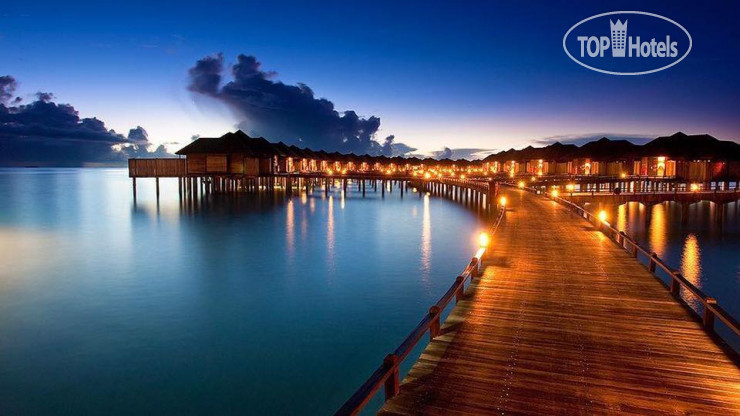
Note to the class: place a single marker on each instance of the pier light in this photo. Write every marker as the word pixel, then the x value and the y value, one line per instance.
pixel 461 176
pixel 484 239
pixel 570 187
pixel 554 193
pixel 329 172
pixel 427 175
pixel 602 216
pixel 502 201
pixel 521 184
pixel 532 179
pixel 623 175
pixel 694 187
pixel 344 171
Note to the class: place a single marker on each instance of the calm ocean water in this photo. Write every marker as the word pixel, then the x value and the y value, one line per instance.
pixel 240 305
pixel 243 304
pixel 704 247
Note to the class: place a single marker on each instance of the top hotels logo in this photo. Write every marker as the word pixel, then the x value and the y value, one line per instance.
pixel 654 43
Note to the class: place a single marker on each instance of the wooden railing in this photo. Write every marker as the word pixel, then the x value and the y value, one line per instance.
pixel 157 168
pixel 710 309
pixel 388 375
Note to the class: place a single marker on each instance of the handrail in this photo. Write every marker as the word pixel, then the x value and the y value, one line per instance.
pixel 388 373
pixel 710 308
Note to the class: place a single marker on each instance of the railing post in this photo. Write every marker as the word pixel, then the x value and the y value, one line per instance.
pixel 675 285
pixel 651 266
pixel 620 239
pixel 634 250
pixel 708 315
pixel 393 382
pixel 460 281
pixel 434 313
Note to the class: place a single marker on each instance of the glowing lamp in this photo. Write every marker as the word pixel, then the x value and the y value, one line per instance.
pixel 623 175
pixel 427 175
pixel 554 193
pixel 329 172
pixel 484 240
pixel 694 187
pixel 521 184
pixel 570 187
pixel 602 215
pixel 461 176
pixel 502 201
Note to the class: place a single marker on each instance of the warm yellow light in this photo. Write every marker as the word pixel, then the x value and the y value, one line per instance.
pixel 329 172
pixel 532 179
pixel 521 184
pixel 570 187
pixel 427 175
pixel 461 176
pixel 554 193
pixel 623 175
pixel 502 201
pixel 344 171
pixel 388 172
pixel 694 187
pixel 484 240
pixel 602 215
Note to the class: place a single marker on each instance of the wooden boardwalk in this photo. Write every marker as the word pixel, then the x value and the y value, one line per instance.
pixel 565 322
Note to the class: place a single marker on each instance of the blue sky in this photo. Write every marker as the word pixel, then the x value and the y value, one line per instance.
pixel 472 74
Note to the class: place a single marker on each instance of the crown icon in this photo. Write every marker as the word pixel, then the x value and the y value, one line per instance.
pixel 619 38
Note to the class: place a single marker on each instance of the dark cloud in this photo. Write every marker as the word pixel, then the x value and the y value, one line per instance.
pixel 7 88
pixel 46 97
pixel 468 153
pixel 446 153
pixel 289 113
pixel 392 149
pixel 581 139
pixel 138 136
pixel 45 133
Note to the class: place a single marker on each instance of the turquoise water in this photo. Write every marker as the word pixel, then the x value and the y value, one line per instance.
pixel 244 305
pixel 237 305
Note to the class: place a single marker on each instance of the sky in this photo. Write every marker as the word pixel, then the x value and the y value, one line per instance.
pixel 456 74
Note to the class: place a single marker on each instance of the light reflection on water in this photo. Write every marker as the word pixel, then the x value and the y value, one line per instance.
pixel 691 260
pixel 698 240
pixel 218 306
pixel 426 237
pixel 658 229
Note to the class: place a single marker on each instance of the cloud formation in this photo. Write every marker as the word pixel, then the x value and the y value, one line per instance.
pixel 581 139
pixel 7 88
pixel 468 153
pixel 44 133
pixel 289 113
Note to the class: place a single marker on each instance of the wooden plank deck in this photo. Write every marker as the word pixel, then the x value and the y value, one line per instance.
pixel 564 322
